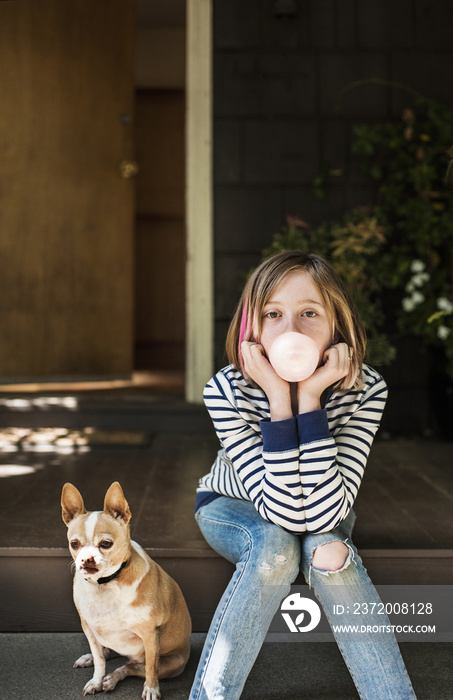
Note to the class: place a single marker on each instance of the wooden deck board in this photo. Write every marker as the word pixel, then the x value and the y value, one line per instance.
pixel 405 500
pixel 159 482
pixel 406 497
pixel 403 531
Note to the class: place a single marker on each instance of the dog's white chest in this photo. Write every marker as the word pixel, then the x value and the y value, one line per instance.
pixel 109 611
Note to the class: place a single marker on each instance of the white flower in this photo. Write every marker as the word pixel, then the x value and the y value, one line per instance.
pixel 417 266
pixel 443 332
pixel 444 304
pixel 408 304
pixel 417 298
pixel 420 279
pixel 410 287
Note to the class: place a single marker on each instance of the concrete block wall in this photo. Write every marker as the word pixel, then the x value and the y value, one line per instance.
pixel 278 116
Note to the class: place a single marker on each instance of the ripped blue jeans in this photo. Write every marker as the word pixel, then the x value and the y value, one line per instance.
pixel 267 561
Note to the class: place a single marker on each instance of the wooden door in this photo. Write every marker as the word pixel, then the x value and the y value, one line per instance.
pixel 160 304
pixel 66 214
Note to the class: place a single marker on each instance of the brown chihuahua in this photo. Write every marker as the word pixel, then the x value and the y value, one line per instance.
pixel 126 602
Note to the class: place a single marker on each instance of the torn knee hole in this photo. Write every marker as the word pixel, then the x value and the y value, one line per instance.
pixel 331 556
pixel 278 560
pixel 265 566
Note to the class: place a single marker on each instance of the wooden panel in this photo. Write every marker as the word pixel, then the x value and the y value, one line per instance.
pixel 66 216
pixel 160 124
pixel 160 308
pixel 200 235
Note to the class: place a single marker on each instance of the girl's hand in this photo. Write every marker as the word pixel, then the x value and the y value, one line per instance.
pixel 259 369
pixel 336 365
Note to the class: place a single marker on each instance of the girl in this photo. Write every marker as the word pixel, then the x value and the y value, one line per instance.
pixel 279 496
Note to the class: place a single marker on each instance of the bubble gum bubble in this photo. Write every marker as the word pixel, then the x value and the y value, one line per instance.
pixel 294 356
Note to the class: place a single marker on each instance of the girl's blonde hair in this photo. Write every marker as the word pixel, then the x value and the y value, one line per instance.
pixel 347 325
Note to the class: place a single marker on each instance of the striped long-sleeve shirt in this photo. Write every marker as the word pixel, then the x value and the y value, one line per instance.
pixel 302 473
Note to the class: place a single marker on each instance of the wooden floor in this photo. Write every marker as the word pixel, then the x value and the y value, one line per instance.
pixel 159 481
pixel 406 498
pixel 404 506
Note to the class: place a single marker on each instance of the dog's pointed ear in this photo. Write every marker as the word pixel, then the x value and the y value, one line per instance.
pixel 71 503
pixel 115 503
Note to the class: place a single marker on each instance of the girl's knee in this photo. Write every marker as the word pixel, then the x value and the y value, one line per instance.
pixel 331 556
pixel 279 562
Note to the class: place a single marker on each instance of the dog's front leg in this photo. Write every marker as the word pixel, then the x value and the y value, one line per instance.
pixel 87 659
pixel 95 684
pixel 151 643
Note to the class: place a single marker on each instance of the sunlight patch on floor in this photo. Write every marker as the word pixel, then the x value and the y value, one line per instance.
pixel 42 402
pixel 16 470
pixel 66 440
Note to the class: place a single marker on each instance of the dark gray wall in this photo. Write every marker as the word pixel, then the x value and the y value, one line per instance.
pixel 277 116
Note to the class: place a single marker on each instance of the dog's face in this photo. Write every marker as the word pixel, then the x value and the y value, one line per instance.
pixel 99 541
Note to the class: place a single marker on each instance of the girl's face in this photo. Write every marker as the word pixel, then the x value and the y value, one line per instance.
pixel 296 305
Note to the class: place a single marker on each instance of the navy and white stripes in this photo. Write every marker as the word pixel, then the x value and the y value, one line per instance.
pixel 302 473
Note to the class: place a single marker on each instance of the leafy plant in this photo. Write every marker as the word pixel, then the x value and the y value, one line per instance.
pixel 396 253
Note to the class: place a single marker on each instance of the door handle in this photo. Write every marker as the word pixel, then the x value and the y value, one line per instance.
pixel 128 169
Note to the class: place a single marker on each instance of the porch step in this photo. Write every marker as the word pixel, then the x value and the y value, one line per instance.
pixel 36 583
pixel 404 530
pixel 104 409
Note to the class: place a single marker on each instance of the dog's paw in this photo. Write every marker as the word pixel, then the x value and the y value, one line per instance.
pixel 84 661
pixel 109 682
pixel 92 687
pixel 150 693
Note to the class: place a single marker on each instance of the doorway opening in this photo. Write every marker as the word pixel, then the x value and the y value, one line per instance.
pixel 160 238
pixel 160 231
